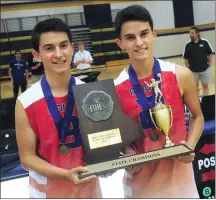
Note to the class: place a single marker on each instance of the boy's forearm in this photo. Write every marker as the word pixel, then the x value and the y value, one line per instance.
pixel 195 130
pixel 43 167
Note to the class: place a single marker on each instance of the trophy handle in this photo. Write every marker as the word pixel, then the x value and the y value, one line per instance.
pixel 171 115
pixel 153 120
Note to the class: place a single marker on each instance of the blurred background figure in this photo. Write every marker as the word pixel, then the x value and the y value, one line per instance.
pixel 18 73
pixel 83 61
pixel 36 68
pixel 83 58
pixel 198 55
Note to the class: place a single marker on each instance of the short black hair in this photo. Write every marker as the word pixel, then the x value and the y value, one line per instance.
pixel 17 51
pixel 132 13
pixel 196 30
pixel 80 42
pixel 48 25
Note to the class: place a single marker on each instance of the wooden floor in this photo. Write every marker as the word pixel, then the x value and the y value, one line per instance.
pixel 112 72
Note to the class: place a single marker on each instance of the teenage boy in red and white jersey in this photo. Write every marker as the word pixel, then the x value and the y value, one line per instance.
pixel 47 128
pixel 170 178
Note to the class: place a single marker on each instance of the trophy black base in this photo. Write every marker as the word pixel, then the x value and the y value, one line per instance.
pixel 135 160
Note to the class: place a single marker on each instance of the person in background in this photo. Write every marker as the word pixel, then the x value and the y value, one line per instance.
pixel 83 61
pixel 18 73
pixel 36 68
pixel 198 55
pixel 82 58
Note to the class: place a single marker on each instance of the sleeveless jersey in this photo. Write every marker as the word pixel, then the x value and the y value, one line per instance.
pixel 168 178
pixel 48 143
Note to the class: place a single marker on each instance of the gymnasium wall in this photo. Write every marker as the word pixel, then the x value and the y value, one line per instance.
pixel 173 45
pixel 170 42
pixel 161 11
pixel 172 21
pixel 204 12
pixel 41 12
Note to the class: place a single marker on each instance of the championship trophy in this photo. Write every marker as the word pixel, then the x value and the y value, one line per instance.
pixel 161 114
pixel 105 130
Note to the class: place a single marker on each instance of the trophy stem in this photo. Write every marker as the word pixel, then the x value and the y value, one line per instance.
pixel 168 142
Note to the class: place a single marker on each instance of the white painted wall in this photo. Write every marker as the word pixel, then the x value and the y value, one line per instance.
pixel 163 16
pixel 174 44
pixel 161 11
pixel 204 12
pixel 42 11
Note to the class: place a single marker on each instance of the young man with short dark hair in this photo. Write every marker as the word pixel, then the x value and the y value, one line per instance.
pixel 47 127
pixel 36 68
pixel 168 178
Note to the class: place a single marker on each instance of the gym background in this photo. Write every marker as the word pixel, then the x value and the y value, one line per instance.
pixel 92 23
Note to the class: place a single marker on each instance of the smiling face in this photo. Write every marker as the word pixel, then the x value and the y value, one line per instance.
pixel 137 39
pixel 55 52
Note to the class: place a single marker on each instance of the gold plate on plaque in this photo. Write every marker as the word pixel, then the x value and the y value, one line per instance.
pixel 104 138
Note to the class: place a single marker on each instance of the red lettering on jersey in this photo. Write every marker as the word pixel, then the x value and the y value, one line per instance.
pixel 70 139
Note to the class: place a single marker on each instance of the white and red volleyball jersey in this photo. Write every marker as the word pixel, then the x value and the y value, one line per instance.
pixel 48 143
pixel 165 178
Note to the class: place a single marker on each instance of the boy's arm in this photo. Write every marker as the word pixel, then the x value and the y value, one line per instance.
pixel 26 140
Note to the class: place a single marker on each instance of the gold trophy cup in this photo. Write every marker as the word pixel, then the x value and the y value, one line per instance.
pixel 161 114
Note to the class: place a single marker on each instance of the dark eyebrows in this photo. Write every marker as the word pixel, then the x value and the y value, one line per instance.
pixel 130 34
pixel 146 30
pixel 49 45
pixel 65 41
pixel 127 35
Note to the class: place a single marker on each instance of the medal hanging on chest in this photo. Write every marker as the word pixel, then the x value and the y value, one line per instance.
pixel 62 125
pixel 160 113
pixel 63 149
pixel 154 137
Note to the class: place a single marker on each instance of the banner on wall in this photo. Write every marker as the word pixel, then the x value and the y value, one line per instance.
pixel 204 163
pixel 204 166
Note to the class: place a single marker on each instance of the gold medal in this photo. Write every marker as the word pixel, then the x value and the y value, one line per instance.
pixel 154 136
pixel 63 149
